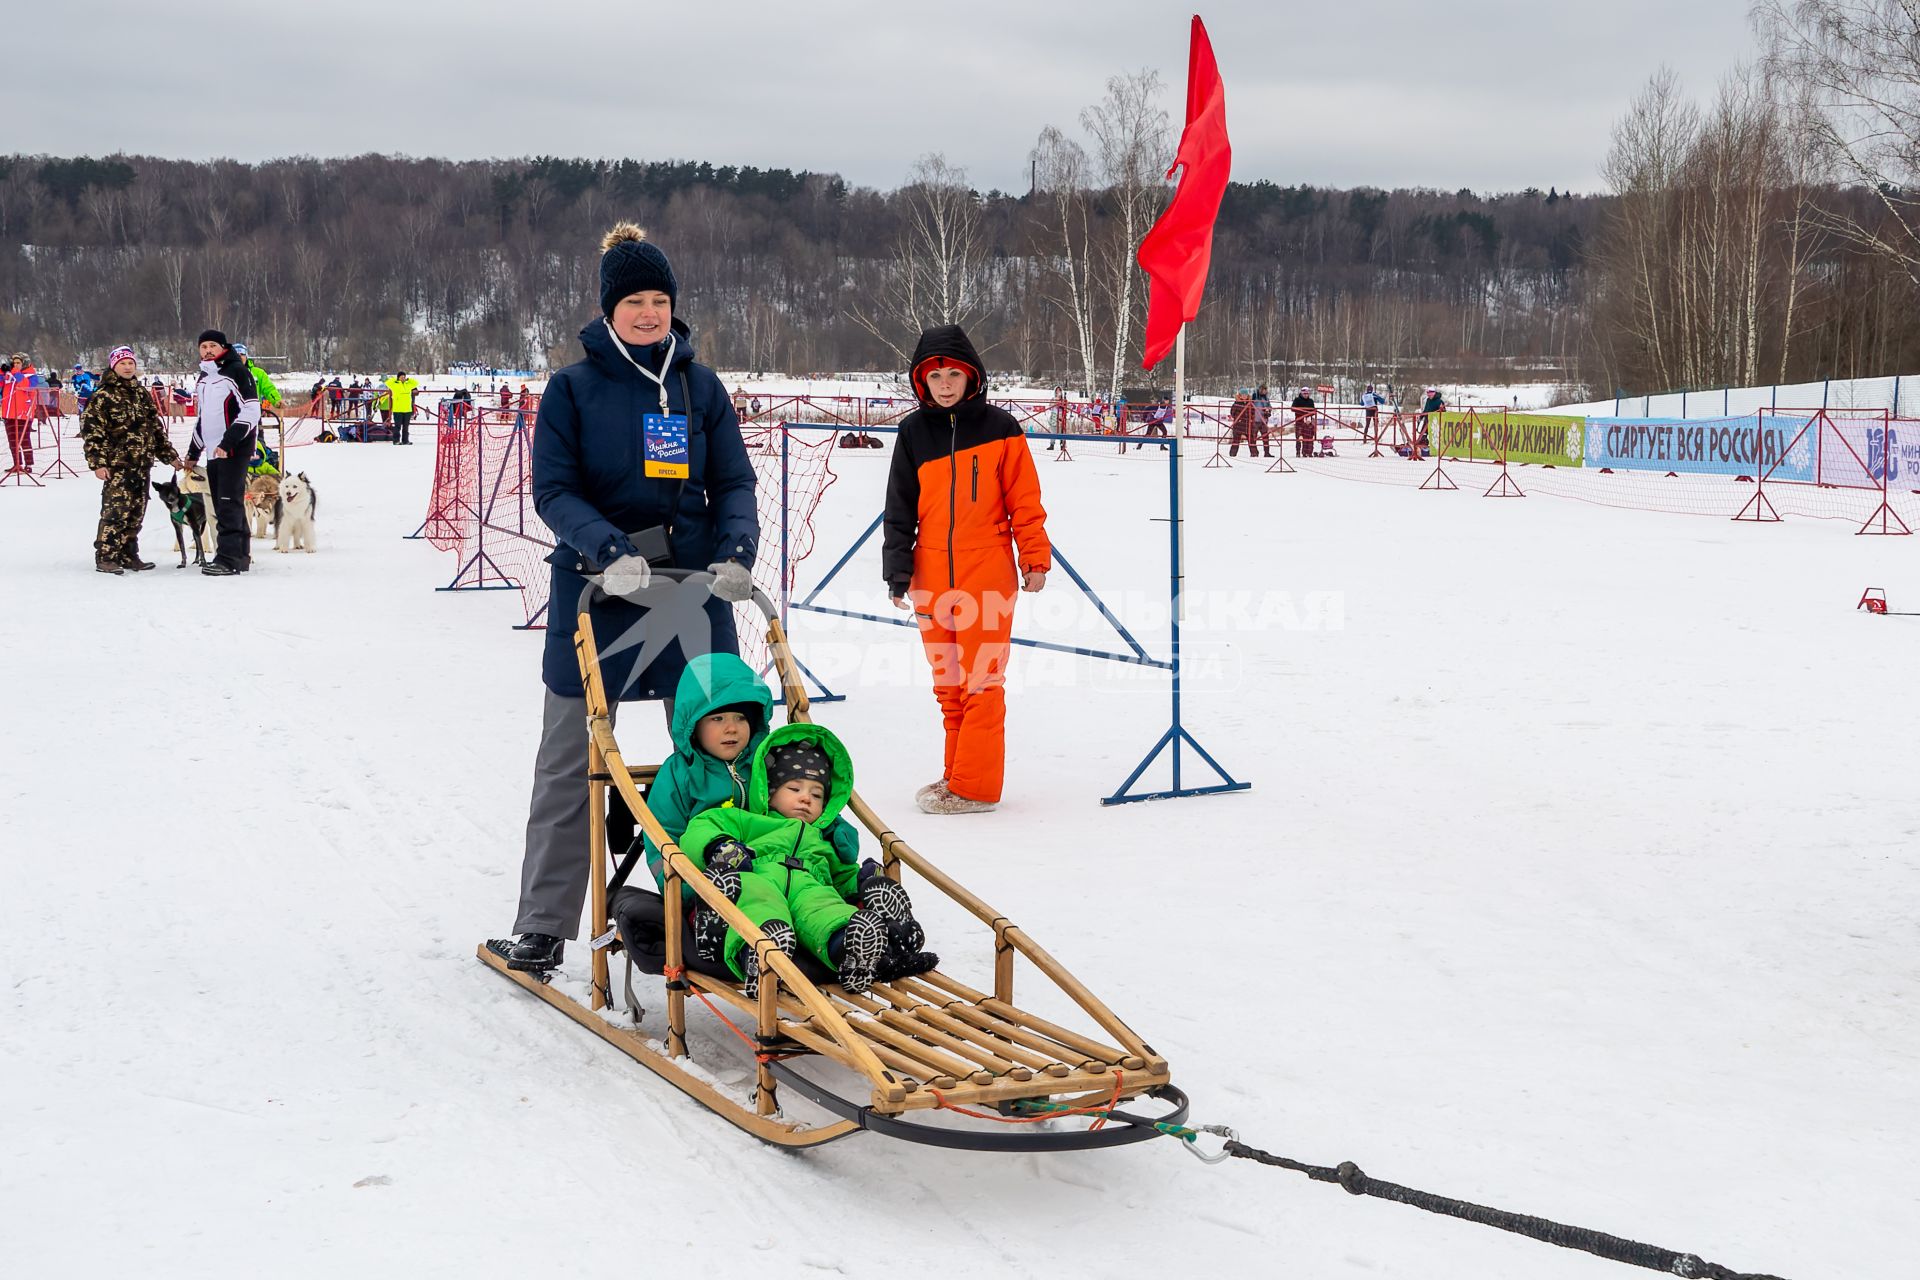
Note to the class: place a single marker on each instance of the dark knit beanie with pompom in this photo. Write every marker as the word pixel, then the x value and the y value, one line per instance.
pixel 631 264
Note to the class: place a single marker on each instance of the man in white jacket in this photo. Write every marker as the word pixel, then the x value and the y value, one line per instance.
pixel 228 412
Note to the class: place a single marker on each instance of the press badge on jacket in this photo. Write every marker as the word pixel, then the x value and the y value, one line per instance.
pixel 664 446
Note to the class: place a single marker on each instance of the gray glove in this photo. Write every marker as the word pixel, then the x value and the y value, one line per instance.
pixel 731 581
pixel 626 575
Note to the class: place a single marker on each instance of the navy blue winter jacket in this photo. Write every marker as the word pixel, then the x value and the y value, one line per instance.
pixel 589 487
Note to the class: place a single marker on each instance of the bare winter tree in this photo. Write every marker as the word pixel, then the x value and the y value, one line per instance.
pixel 1859 63
pixel 934 276
pixel 1060 175
pixel 1131 151
pixel 1650 144
pixel 1704 260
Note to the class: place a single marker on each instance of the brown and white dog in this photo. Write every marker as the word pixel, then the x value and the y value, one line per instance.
pixel 263 494
pixel 293 519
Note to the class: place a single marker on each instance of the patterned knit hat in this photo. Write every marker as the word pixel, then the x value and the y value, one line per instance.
pixel 792 760
pixel 118 354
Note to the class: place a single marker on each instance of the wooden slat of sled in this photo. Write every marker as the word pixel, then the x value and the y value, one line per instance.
pixel 1097 1087
pixel 1006 1012
pixel 636 1046
pixel 993 1065
pixel 960 1007
pixel 799 1025
pixel 913 1058
pixel 932 1013
pixel 1066 1058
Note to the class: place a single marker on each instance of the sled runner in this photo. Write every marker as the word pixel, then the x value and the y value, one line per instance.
pixel 875 1061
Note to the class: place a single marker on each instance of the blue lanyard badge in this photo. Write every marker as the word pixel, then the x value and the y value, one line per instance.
pixel 664 441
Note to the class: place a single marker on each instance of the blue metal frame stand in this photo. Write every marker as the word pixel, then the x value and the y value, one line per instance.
pixel 1176 733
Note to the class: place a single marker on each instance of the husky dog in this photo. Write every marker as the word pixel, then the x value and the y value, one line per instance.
pixel 187 506
pixel 293 514
pixel 263 493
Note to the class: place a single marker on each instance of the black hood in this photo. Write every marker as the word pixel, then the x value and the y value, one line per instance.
pixel 234 365
pixel 951 341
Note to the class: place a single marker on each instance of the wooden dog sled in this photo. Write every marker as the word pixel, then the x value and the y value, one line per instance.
pixel 1009 1079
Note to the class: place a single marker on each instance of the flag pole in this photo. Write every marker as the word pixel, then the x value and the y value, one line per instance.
pixel 1179 515
pixel 1179 489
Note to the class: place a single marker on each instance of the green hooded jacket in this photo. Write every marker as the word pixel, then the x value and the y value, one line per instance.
pixel 691 780
pixel 263 385
pixel 798 874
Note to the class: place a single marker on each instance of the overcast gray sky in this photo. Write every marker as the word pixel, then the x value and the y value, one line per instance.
pixel 1489 94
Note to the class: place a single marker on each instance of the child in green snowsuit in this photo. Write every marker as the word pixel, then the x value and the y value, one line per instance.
pixel 721 714
pixel 775 859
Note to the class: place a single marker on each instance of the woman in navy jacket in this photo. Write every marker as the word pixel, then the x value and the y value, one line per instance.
pixel 636 448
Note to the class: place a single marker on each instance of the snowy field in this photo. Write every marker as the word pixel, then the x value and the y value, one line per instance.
pixel 1578 877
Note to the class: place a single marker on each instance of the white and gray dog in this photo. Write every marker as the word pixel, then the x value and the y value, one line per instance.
pixel 294 513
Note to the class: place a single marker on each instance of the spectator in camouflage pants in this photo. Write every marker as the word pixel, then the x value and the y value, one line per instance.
pixel 123 437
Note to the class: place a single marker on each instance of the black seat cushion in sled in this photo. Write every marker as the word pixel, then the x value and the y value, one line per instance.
pixel 640 915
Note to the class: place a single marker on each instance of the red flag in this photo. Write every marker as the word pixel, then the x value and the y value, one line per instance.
pixel 1175 254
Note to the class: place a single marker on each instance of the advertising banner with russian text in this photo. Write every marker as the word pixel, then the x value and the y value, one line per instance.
pixel 1782 447
pixel 1530 437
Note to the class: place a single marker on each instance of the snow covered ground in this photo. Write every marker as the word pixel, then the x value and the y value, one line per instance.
pixel 1578 877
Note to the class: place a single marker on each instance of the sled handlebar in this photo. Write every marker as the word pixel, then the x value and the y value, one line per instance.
pixel 673 573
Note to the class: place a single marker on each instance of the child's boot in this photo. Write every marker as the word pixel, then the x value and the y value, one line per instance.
pixel 882 896
pixel 778 932
pixel 858 950
pixel 709 929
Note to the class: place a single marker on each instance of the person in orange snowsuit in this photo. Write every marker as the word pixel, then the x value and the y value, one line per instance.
pixel 962 496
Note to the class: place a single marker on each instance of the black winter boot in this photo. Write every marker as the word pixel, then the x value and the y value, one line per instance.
pixel 530 952
pixel 885 898
pixel 709 930
pixel 781 935
pixel 858 950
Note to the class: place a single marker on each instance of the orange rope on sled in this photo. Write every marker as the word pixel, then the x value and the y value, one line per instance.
pixel 759 1055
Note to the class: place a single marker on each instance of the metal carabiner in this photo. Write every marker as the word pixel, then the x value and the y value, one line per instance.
pixel 1220 1131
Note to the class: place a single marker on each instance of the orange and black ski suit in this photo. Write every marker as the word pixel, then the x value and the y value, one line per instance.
pixel 961 495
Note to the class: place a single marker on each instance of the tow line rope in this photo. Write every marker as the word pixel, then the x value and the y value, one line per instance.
pixel 1349 1176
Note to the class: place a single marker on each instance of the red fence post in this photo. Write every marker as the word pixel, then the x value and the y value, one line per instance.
pixel 1504 487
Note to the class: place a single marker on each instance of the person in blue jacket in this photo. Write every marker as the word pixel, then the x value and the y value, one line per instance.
pixel 82 383
pixel 636 454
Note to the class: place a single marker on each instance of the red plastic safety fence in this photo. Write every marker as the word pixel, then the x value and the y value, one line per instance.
pixel 450 505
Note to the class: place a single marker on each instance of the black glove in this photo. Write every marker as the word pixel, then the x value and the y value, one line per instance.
pixel 868 870
pixel 724 853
